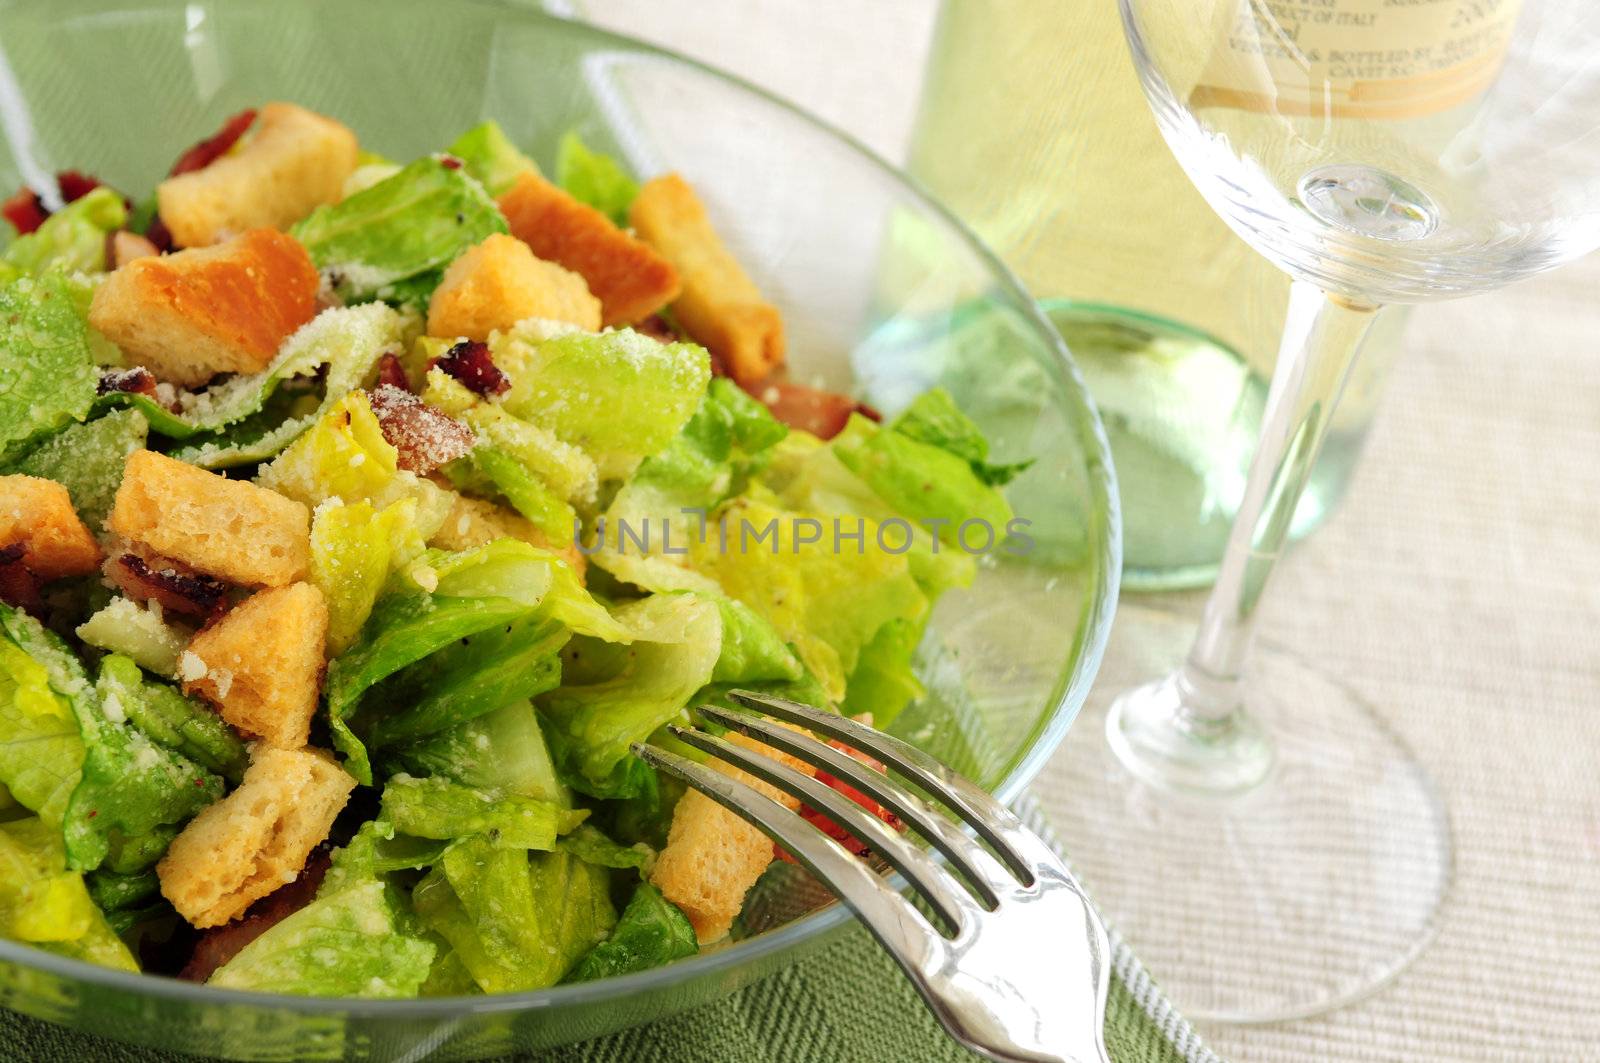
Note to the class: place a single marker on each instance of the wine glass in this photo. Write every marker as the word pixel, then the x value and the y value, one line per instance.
pixel 1263 838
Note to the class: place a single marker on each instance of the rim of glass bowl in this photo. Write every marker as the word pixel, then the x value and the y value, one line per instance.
pixel 1068 696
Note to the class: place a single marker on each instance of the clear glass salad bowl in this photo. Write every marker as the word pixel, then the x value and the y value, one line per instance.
pixel 884 293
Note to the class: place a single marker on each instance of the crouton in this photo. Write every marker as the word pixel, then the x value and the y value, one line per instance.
pixel 295 161
pixel 124 247
pixel 257 838
pixel 38 514
pixel 474 522
pixel 230 529
pixel 500 282
pixel 261 664
pixel 713 857
pixel 226 309
pixel 720 306
pixel 630 280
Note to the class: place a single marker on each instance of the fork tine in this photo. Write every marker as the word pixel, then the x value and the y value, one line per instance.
pixel 901 929
pixel 985 874
pixel 918 868
pixel 994 822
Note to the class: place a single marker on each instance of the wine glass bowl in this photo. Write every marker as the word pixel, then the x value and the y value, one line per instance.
pixel 1419 193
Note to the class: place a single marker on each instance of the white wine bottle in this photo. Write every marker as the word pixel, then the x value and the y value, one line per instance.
pixel 1034 129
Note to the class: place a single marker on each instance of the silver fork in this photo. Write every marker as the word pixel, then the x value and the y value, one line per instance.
pixel 1019 968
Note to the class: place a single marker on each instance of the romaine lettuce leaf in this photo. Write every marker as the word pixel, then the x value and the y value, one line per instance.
pixel 45 905
pixel 651 932
pixel 594 178
pixel 589 843
pixel 405 228
pixel 621 396
pixel 88 460
pixel 47 374
pixel 133 794
pixel 342 344
pixel 517 920
pixel 142 632
pixel 612 696
pixel 500 750
pixel 468 678
pixel 170 719
pixel 883 682
pixel 41 754
pixel 353 943
pixel 352 550
pixel 73 239
pixel 490 156
pixel 443 810
pixel 498 473
pixel 934 418
pixel 376 850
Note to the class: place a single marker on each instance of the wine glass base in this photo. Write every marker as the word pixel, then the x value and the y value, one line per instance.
pixel 1302 895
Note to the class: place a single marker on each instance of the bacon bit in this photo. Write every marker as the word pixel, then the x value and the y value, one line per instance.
pixel 450 162
pixel 75 185
pixel 215 146
pixel 124 246
pixel 24 211
pixel 159 235
pixel 178 590
pixel 135 381
pixel 469 362
pixel 832 829
pixel 656 327
pixel 425 437
pixel 20 586
pixel 822 413
pixel 391 373
pixel 218 945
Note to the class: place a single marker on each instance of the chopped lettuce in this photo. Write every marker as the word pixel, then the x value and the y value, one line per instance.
pixel 588 842
pixel 73 239
pixel 621 396
pixel 506 476
pixel 41 755
pixel 341 343
pixel 170 719
pixel 88 460
pixel 139 631
pixel 517 920
pixel 353 943
pixel 133 794
pixel 651 932
pixel 594 178
pixel 392 240
pixel 352 550
pixel 614 695
pixel 374 852
pixel 47 906
pixel 500 750
pixel 444 810
pixel 47 374
pixel 883 682
pixel 934 418
pixel 345 456
pixel 489 155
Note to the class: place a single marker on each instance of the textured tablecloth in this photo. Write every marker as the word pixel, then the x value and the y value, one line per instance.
pixel 1458 588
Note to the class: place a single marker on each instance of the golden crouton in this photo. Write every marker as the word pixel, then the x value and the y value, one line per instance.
pixel 38 514
pixel 261 664
pixel 257 838
pixel 630 280
pixel 720 306
pixel 295 161
pixel 499 283
pixel 125 247
pixel 230 529
pixel 712 856
pixel 226 309
pixel 474 522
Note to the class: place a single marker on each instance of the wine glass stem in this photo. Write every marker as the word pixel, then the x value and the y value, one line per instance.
pixel 1322 336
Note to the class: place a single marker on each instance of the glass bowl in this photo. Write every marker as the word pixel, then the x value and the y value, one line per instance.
pixel 884 293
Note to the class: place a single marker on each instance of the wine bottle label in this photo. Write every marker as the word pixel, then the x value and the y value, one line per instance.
pixel 1381 59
